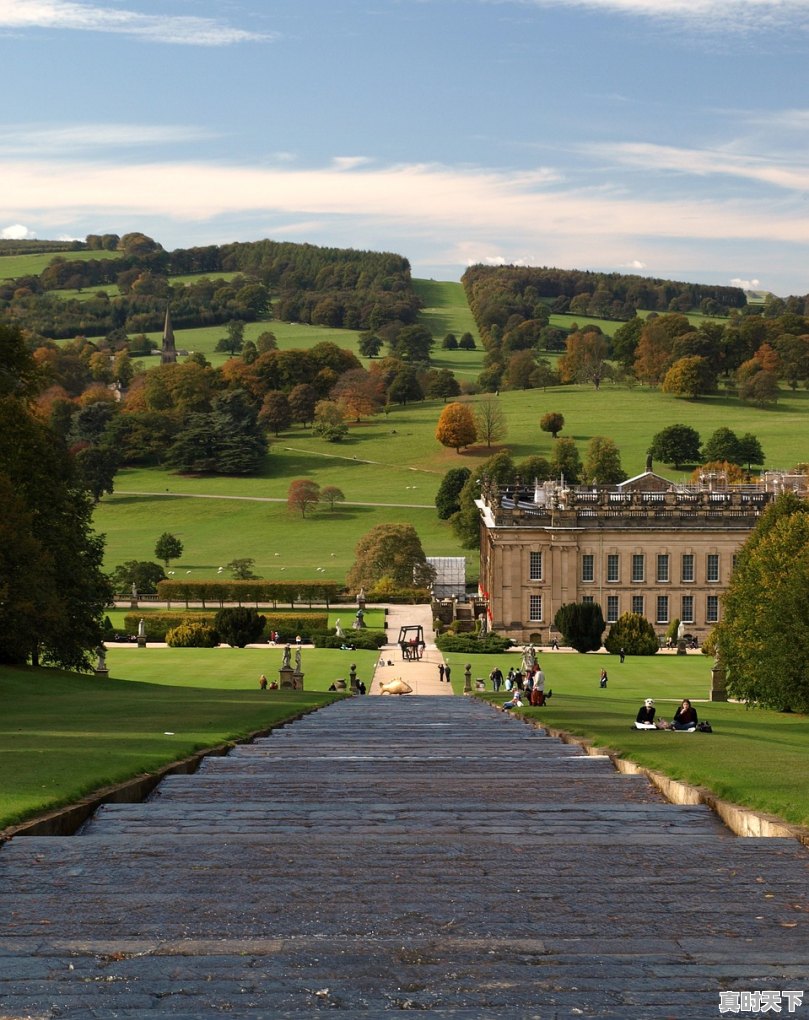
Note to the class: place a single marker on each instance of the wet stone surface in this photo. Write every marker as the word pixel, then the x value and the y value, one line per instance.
pixel 388 855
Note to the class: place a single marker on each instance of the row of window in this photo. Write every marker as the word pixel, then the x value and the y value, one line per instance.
pixel 662 607
pixel 638 567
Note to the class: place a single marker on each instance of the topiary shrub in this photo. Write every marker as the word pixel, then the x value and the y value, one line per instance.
pixel 634 634
pixel 581 624
pixel 239 626
pixel 192 635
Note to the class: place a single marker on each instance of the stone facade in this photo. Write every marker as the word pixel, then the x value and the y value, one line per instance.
pixel 648 545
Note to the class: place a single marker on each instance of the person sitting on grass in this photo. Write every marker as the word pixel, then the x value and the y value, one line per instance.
pixel 516 701
pixel 685 718
pixel 645 719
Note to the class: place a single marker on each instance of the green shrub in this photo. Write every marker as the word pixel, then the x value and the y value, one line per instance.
pixel 634 634
pixel 289 625
pixel 470 645
pixel 192 635
pixel 387 591
pixel 239 627
pixel 671 633
pixel 365 639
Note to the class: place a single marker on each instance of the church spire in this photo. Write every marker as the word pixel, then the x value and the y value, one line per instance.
pixel 169 351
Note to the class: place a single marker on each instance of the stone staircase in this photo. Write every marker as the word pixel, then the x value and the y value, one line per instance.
pixel 389 854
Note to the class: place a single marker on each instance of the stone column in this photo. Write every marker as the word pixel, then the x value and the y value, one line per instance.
pixel 352 678
pixel 718 681
pixel 467 678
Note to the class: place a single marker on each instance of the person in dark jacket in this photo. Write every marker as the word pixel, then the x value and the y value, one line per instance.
pixel 685 718
pixel 645 719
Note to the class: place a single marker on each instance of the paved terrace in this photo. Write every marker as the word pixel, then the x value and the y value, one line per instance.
pixel 389 854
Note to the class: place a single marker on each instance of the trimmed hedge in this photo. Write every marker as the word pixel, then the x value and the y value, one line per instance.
pixel 259 591
pixel 157 625
pixel 366 639
pixel 288 626
pixel 192 635
pixel 471 645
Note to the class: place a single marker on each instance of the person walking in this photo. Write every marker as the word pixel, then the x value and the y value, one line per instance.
pixel 447 673
pixel 602 680
pixel 440 672
pixel 496 677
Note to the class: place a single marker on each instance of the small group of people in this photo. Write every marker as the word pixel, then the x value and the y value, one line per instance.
pixel 265 685
pixel 685 718
pixel 530 683
pixel 444 672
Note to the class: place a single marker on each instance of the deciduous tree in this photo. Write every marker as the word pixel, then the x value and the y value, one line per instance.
pixel 602 462
pixel 390 550
pixel 677 445
pixel 168 547
pixel 553 422
pixel 456 426
pixel 490 421
pixel 332 495
pixel 303 494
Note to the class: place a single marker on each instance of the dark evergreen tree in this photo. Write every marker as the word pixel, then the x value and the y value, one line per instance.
pixel 581 624
pixel 447 499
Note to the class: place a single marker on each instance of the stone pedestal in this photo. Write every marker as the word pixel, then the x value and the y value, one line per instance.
pixel 467 678
pixel 297 680
pixel 352 677
pixel 286 676
pixel 718 682
pixel 141 640
pixel 681 649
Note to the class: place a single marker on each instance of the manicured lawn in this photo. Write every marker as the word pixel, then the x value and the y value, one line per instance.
pixel 64 735
pixel 754 757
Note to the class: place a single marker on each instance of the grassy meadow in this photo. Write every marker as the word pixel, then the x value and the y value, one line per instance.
pixel 13 266
pixel 754 757
pixel 64 735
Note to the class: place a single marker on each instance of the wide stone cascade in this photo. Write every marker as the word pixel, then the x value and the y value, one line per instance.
pixel 391 854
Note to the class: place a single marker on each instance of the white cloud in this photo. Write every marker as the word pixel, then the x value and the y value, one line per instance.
pixel 17 232
pixel 745 284
pixel 349 162
pixel 53 139
pixel 634 264
pixel 427 198
pixel 162 28
pixel 724 15
pixel 705 163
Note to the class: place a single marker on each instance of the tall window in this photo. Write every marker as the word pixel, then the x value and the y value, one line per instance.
pixel 662 609
pixel 687 613
pixel 534 608
pixel 663 567
pixel 612 567
pixel 688 566
pixel 637 604
pixel 638 567
pixel 535 566
pixel 587 567
pixel 612 608
pixel 587 598
pixel 712 609
pixel 712 567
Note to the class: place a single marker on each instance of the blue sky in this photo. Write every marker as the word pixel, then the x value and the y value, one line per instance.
pixel 665 137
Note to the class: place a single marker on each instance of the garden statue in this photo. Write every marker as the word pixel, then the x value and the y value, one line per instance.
pixel 338 630
pixel 285 664
pixel 298 660
pixel 359 620
pixel 141 628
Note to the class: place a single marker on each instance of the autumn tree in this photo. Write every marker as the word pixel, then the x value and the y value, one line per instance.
pixel 553 422
pixel 303 494
pixel 585 360
pixel 689 377
pixel 275 413
pixel 358 394
pixel 302 400
pixel 456 427
pixel 490 421
pixel 654 351
pixel 331 495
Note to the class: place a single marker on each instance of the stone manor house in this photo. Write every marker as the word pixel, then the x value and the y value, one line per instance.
pixel 648 545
